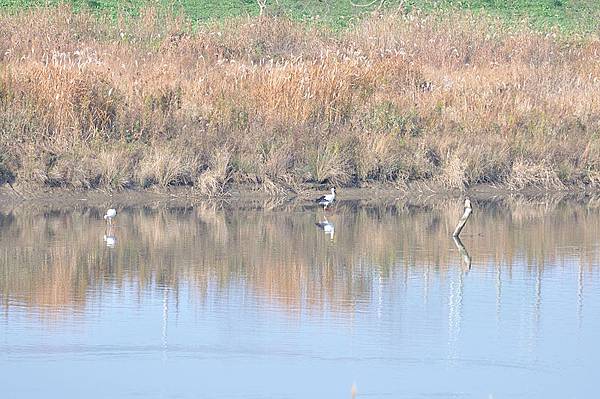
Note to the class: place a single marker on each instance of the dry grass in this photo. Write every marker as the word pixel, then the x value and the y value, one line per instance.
pixel 213 181
pixel 146 102
pixel 164 166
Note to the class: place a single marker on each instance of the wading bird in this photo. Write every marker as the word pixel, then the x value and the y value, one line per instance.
pixel 325 200
pixel 110 214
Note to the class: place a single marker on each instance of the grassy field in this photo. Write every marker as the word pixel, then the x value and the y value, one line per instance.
pixel 439 99
pixel 579 16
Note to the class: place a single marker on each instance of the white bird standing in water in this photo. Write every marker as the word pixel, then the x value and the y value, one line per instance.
pixel 110 214
pixel 325 200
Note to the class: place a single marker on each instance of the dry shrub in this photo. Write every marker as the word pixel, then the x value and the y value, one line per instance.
pixel 165 165
pixel 270 39
pixel 526 174
pixel 78 171
pixel 270 166
pixel 593 177
pixel 465 165
pixel 326 89
pixel 66 100
pixel 116 167
pixel 489 163
pixel 380 157
pixel 214 180
pixel 447 98
pixel 6 173
pixel 330 164
pixel 454 171
pixel 32 171
pixel 276 159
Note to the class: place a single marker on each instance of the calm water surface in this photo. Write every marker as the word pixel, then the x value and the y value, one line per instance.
pixel 217 301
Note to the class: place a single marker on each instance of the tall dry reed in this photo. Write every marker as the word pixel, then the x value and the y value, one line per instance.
pixel 447 100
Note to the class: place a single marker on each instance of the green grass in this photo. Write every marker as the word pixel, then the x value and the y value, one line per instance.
pixel 577 16
pixel 568 15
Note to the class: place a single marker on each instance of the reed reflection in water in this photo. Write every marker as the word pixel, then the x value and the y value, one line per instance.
pixel 217 301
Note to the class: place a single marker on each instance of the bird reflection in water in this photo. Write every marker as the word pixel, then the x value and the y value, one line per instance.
pixel 109 236
pixel 327 227
pixel 110 240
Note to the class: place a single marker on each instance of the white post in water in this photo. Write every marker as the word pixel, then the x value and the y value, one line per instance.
pixel 463 219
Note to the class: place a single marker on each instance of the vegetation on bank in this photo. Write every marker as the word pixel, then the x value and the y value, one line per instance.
pixel 567 15
pixel 447 100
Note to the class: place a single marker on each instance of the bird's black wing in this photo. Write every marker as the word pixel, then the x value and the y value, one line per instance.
pixel 321 198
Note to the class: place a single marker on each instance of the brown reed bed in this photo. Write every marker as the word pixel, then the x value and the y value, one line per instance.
pixel 449 101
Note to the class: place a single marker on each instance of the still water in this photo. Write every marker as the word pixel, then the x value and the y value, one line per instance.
pixel 257 301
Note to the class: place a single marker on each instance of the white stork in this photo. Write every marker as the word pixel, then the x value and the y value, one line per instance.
pixel 110 214
pixel 325 200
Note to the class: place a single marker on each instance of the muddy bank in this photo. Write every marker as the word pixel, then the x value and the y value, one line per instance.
pixel 246 197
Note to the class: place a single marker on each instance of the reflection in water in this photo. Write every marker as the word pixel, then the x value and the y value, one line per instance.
pixel 455 314
pixel 579 294
pixel 263 295
pixel 498 292
pixel 165 322
pixel 326 226
pixel 463 252
pixel 277 254
pixel 109 236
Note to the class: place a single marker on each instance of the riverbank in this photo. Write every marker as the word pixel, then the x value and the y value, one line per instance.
pixel 444 101
pixel 245 197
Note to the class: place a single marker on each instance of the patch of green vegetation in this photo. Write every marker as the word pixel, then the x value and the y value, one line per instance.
pixel 567 15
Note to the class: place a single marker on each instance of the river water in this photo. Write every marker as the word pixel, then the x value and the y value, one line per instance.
pixel 258 301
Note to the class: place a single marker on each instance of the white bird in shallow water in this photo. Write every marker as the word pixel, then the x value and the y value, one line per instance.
pixel 110 214
pixel 325 200
pixel 327 227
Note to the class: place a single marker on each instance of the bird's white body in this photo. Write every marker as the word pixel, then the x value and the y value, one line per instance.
pixel 110 214
pixel 325 200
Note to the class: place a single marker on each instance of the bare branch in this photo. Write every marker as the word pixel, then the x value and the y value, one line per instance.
pixel 364 5
pixel 369 4
pixel 262 4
